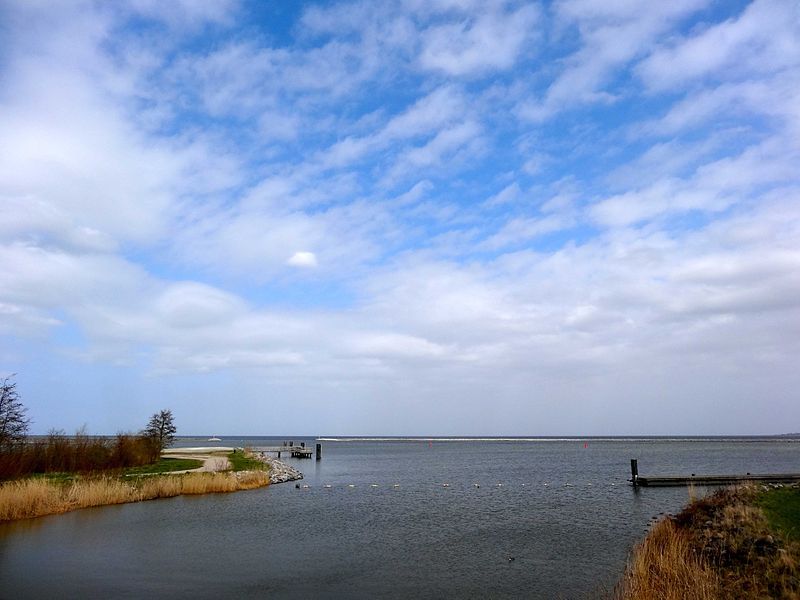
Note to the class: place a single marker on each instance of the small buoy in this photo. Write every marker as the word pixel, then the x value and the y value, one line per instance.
pixel 588 484
pixel 546 484
pixel 297 486
pixel 510 558
pixel 499 485
pixel 373 485
pixel 445 485
pixel 305 487
pixel 350 485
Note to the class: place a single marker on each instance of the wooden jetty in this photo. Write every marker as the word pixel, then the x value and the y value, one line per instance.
pixel 693 479
pixel 299 451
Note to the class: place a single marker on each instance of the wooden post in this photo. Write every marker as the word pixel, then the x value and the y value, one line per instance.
pixel 319 451
pixel 279 453
pixel 634 471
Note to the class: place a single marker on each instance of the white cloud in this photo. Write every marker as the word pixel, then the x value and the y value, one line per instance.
pixel 190 304
pixel 185 14
pixel 434 112
pixel 394 345
pixel 508 194
pixel 302 259
pixel 449 145
pixel 713 187
pixel 521 230
pixel 612 35
pixel 488 42
pixel 764 38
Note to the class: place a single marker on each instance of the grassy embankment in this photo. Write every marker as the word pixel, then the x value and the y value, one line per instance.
pixel 39 496
pixel 736 543
pixel 165 465
pixel 243 461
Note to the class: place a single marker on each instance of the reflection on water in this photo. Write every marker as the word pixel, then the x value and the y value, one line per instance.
pixel 564 513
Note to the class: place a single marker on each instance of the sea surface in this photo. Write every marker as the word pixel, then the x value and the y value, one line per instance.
pixel 402 518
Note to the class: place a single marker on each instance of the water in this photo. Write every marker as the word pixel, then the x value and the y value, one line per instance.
pixel 569 527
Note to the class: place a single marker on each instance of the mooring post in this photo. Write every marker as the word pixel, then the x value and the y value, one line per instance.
pixel 319 451
pixel 634 472
pixel 279 453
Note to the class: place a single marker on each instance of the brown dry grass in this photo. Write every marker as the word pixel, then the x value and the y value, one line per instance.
pixel 663 567
pixel 38 497
pixel 720 546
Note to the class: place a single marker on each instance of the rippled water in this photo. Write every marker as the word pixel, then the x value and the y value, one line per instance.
pixel 564 512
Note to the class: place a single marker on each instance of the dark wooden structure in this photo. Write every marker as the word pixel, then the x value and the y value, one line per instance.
pixel 294 450
pixel 693 479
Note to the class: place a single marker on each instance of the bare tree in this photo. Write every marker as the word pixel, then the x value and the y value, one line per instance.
pixel 161 429
pixel 13 422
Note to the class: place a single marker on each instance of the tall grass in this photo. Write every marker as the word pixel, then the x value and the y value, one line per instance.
pixel 38 497
pixel 719 546
pixel 664 567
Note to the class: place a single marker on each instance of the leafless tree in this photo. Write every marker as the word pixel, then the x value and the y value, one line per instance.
pixel 161 429
pixel 13 422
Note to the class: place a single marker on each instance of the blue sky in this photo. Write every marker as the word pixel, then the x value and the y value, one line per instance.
pixel 471 218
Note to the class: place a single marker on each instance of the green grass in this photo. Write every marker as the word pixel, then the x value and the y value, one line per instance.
pixel 240 462
pixel 782 507
pixel 165 465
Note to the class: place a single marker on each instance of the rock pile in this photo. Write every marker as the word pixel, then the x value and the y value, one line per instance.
pixel 280 472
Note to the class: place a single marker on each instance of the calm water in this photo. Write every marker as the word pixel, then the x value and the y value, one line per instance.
pixel 569 538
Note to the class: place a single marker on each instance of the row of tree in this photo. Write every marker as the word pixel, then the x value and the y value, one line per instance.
pixel 57 452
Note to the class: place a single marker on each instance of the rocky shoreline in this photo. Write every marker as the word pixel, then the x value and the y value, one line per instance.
pixel 279 472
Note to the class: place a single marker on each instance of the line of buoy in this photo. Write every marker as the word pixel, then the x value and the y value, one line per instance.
pixel 328 486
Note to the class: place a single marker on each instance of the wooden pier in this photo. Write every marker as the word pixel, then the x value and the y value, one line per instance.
pixel 710 480
pixel 300 451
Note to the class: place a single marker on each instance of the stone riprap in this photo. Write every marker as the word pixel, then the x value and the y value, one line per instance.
pixel 279 472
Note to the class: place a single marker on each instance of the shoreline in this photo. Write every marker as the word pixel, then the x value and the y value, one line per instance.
pixel 728 544
pixel 37 497
pixel 279 471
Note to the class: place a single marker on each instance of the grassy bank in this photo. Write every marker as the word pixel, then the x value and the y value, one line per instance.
pixel 165 465
pixel 736 543
pixel 244 461
pixel 37 497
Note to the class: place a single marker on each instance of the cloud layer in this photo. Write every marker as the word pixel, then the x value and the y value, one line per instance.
pixel 402 218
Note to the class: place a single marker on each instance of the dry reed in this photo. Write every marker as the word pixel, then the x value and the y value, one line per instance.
pixel 719 546
pixel 38 497
pixel 664 567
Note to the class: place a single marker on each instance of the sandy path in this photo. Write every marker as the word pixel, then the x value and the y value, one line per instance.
pixel 213 462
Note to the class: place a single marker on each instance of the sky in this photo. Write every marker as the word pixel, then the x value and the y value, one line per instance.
pixel 454 217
